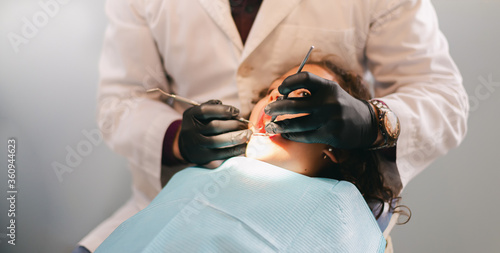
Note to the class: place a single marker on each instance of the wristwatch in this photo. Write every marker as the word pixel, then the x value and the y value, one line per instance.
pixel 388 124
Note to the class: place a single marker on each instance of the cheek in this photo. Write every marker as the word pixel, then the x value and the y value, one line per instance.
pixel 308 155
pixel 306 152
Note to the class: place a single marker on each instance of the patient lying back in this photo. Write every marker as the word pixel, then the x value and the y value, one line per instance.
pixel 283 197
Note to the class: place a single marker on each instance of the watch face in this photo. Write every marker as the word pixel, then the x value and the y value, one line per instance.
pixel 391 123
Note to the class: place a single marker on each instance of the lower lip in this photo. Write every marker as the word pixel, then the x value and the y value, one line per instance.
pixel 272 137
pixel 264 134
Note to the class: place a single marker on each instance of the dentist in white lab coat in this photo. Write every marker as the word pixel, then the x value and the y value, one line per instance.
pixel 194 49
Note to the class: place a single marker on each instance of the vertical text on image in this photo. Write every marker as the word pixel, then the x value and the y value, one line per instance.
pixel 11 190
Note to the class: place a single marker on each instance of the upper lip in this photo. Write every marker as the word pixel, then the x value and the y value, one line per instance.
pixel 262 120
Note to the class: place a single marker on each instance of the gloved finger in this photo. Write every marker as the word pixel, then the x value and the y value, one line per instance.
pixel 291 106
pixel 301 80
pixel 226 139
pixel 215 127
pixel 204 156
pixel 213 102
pixel 225 153
pixel 299 124
pixel 207 112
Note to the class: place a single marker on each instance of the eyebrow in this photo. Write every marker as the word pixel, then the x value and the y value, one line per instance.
pixel 260 95
pixel 269 88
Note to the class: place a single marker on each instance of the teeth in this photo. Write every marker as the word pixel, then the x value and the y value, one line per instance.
pixel 257 130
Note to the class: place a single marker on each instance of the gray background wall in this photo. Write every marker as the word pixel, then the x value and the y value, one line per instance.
pixel 47 102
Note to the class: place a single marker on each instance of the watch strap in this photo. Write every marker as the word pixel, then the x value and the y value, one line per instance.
pixel 382 110
pixel 374 120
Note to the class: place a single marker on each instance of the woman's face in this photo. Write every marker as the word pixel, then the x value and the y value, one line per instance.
pixel 303 158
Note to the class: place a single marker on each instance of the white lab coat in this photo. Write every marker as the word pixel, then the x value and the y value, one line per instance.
pixel 193 48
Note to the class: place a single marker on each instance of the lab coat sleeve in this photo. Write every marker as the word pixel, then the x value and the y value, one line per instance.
pixel 132 121
pixel 415 75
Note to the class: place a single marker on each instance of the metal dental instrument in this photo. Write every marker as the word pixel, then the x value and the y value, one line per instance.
pixel 178 98
pixel 298 71
pixel 189 101
pixel 305 59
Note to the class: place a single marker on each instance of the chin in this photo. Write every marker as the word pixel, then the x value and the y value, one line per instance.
pixel 270 149
pixel 298 157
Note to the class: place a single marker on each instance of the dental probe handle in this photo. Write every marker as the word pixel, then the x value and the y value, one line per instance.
pixel 301 66
pixel 189 101
pixel 178 98
pixel 305 60
pixel 185 100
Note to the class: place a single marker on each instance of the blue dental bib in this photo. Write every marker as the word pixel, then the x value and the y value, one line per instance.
pixel 250 206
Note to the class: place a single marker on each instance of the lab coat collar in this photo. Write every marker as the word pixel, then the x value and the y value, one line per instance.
pixel 271 13
pixel 220 11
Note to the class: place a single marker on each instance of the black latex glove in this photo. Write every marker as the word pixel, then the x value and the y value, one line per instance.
pixel 335 117
pixel 210 132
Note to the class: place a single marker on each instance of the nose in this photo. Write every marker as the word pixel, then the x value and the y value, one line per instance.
pixel 274 95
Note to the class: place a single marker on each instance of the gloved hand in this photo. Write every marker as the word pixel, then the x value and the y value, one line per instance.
pixel 210 132
pixel 335 117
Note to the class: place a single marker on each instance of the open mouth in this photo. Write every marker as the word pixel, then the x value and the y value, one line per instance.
pixel 260 126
